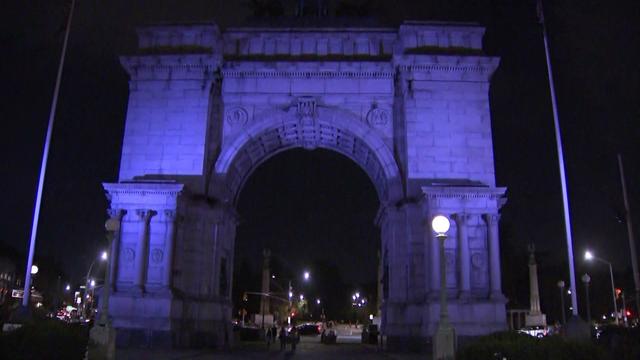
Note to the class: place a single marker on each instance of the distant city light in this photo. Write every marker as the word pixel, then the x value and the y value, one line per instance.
pixel 104 255
pixel 68 287
pixel 318 301
pixel 353 297
pixel 357 295
pixel 273 276
pixel 290 294
pixel 301 297
pixel 93 283
pixel 306 275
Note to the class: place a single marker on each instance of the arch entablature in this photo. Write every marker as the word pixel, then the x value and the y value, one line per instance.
pixel 310 127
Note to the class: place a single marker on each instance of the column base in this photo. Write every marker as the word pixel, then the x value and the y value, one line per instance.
pixel 464 296
pixel 497 296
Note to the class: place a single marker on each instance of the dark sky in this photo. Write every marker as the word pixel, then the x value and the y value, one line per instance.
pixel 594 49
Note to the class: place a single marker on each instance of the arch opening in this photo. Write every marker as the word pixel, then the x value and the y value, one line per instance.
pixel 309 220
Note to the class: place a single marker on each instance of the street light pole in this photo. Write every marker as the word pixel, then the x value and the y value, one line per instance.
pixel 589 256
pixel 444 346
pixel 564 317
pixel 586 279
pixel 613 291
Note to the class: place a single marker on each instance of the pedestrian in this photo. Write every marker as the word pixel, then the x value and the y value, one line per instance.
pixel 283 338
pixel 274 333
pixel 294 338
pixel 269 337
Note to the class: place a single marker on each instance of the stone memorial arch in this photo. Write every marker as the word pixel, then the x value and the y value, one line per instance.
pixel 409 105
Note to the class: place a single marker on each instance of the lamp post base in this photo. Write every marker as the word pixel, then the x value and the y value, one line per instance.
pixel 103 342
pixel 445 342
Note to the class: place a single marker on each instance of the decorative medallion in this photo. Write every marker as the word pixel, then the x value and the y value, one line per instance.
pixel 306 109
pixel 156 255
pixel 236 116
pixel 377 116
pixel 477 260
pixel 128 255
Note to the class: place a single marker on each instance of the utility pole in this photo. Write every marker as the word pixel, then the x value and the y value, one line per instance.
pixel 632 240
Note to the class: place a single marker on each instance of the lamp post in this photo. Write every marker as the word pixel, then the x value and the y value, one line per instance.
pixel 91 283
pixel 588 255
pixel 564 317
pixel 444 346
pixel 586 279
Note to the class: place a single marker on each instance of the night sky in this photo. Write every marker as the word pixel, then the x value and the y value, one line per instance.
pixel 594 49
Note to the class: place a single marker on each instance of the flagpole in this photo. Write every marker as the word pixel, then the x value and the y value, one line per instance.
pixel 43 166
pixel 632 239
pixel 563 179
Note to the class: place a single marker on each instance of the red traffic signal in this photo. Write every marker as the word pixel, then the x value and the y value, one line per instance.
pixel 618 292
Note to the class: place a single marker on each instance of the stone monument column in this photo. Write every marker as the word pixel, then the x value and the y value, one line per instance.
pixel 141 248
pixel 535 317
pixel 464 259
pixel 170 217
pixel 494 255
pixel 116 214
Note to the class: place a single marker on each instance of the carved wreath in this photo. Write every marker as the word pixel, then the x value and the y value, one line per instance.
pixel 236 116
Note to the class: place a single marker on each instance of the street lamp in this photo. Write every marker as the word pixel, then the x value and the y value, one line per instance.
pixel 444 346
pixel 306 276
pixel 588 255
pixel 104 255
pixel 67 288
pixel 586 279
pixel 561 287
pixel 34 269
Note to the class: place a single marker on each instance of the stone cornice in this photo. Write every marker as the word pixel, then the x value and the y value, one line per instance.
pixel 142 189
pixel 463 192
pixel 316 74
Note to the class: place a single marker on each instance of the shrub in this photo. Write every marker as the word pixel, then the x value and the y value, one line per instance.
pixel 516 346
pixel 45 339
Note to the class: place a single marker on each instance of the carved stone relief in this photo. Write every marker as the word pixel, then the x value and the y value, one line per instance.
pixel 377 117
pixel 236 116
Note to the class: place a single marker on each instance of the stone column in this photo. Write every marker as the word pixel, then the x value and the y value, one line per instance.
pixel 494 255
pixel 464 259
pixel 142 248
pixel 170 217
pixel 114 255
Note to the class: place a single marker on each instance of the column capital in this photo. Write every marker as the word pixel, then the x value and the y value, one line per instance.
pixel 170 214
pixel 460 217
pixel 145 214
pixel 491 218
pixel 116 213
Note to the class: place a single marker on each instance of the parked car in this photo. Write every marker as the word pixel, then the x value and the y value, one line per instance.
pixel 308 329
pixel 535 331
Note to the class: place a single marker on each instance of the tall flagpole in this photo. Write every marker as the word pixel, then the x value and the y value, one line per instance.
pixel 43 166
pixel 563 179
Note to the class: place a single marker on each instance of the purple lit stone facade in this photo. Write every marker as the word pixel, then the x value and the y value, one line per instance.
pixel 408 105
